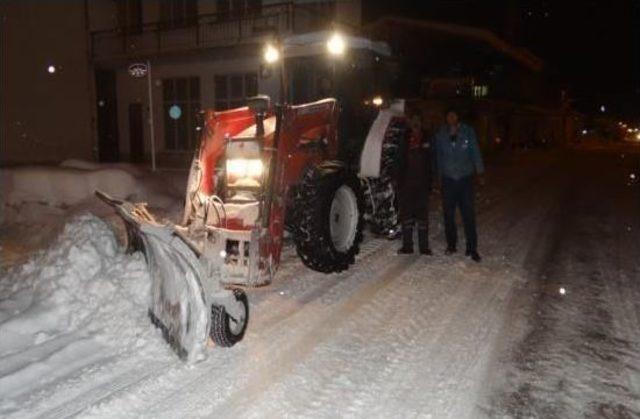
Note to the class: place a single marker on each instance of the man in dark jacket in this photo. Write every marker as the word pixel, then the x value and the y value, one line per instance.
pixel 414 182
pixel 458 160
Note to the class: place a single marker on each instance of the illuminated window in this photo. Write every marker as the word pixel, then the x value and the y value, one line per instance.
pixel 480 90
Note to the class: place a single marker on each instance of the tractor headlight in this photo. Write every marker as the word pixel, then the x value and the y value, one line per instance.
pixel 245 171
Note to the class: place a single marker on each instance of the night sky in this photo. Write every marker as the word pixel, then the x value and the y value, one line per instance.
pixel 590 46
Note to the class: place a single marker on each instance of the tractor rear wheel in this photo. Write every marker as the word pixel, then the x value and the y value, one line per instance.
pixel 328 218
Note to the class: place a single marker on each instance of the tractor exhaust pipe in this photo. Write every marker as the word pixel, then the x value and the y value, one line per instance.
pixel 259 105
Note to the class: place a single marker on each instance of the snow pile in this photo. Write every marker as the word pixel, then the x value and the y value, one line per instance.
pixel 82 291
pixel 57 186
pixel 75 181
pixel 132 169
pixel 37 200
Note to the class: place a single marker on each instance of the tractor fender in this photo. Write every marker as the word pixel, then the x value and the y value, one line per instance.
pixel 371 155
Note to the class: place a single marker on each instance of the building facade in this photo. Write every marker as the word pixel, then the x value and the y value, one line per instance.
pixel 199 54
pixel 503 89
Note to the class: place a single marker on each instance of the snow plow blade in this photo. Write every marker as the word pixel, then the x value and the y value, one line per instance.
pixel 178 304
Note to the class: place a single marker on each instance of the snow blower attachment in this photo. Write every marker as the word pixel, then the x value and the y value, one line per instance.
pixel 187 302
pixel 260 170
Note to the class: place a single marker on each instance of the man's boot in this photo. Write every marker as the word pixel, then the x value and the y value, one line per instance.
pixel 423 241
pixel 407 240
pixel 474 255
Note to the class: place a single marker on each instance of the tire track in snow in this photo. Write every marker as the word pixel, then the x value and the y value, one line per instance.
pixel 347 347
pixel 267 355
pixel 573 361
pixel 13 362
pixel 352 389
pixel 327 328
pixel 64 363
pixel 105 391
pixel 218 364
pixel 106 388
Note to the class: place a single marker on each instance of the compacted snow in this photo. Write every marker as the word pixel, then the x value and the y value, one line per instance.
pixel 393 337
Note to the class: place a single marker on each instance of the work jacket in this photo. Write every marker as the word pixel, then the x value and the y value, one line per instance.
pixel 414 163
pixel 459 158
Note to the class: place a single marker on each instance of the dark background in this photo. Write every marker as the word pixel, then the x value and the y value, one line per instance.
pixel 592 47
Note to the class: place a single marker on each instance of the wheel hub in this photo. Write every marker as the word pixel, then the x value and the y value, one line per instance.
pixel 343 218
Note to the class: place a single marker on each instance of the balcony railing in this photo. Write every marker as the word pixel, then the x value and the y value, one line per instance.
pixel 205 31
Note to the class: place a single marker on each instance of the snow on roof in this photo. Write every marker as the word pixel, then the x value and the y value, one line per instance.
pixel 314 43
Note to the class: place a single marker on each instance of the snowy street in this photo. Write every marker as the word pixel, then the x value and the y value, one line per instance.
pixel 546 326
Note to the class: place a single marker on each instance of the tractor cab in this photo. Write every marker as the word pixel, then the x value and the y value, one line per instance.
pixel 358 72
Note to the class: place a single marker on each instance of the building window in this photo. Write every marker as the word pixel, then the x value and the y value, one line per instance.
pixel 181 104
pixel 238 8
pixel 480 90
pixel 178 13
pixel 130 15
pixel 232 90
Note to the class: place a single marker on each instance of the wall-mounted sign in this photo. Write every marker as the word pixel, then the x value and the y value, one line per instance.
pixel 138 70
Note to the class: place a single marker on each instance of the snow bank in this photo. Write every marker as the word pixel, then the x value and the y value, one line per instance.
pixel 30 194
pixel 132 169
pixel 64 187
pixel 82 291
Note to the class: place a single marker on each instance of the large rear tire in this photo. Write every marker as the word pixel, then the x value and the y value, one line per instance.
pixel 328 218
pixel 381 196
pixel 382 206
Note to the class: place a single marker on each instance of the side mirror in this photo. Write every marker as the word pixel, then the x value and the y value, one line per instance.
pixel 259 105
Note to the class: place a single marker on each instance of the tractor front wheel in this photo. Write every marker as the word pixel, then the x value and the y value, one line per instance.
pixel 228 326
pixel 328 218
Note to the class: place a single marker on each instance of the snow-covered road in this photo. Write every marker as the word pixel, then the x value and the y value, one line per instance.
pixel 580 355
pixel 394 337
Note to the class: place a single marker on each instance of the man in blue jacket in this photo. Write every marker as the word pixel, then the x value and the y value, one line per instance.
pixel 458 160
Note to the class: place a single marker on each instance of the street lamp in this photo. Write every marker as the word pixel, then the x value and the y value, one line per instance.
pixel 336 44
pixel 271 54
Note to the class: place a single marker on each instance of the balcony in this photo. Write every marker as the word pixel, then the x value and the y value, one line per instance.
pixel 206 31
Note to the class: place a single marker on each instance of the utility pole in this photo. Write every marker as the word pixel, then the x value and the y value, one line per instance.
pixel 151 123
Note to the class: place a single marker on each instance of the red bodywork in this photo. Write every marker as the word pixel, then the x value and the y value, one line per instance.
pixel 307 135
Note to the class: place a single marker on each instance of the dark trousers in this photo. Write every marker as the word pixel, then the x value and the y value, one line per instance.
pixel 413 200
pixel 459 193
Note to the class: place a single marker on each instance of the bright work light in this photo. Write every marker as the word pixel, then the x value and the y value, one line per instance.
pixel 336 44
pixel 271 54
pixel 244 168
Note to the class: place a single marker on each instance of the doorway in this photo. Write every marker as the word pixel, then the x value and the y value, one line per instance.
pixel 136 133
pixel 108 141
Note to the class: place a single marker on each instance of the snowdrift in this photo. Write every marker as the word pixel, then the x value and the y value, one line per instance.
pixel 67 304
pixel 46 195
pixel 63 186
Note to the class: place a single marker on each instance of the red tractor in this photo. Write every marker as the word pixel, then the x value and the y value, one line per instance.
pixel 261 170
